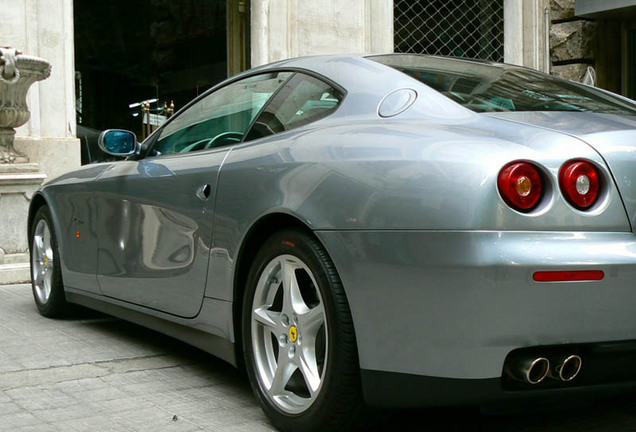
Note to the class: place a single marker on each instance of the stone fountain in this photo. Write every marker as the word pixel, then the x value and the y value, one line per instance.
pixel 19 178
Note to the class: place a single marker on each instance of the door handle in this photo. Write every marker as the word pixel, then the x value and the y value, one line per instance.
pixel 203 192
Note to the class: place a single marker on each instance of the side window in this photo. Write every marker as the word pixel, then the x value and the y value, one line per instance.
pixel 302 100
pixel 219 119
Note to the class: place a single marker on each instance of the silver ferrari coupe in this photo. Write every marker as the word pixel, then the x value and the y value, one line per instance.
pixel 391 230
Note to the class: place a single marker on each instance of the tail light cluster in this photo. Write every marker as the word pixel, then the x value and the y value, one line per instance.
pixel 521 184
pixel 580 183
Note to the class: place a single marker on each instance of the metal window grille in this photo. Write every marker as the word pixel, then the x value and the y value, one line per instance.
pixel 461 28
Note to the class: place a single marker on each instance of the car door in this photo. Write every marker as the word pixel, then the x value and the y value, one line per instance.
pixel 155 214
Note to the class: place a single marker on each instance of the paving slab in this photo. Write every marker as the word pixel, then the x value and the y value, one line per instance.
pixel 98 373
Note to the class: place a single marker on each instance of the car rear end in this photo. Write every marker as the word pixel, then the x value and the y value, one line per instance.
pixel 534 297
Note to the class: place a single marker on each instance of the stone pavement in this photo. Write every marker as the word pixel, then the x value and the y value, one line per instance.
pixel 97 373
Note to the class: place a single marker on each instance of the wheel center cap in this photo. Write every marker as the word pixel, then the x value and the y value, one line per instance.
pixel 293 334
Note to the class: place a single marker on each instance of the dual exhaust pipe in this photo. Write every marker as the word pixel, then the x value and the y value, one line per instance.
pixel 534 370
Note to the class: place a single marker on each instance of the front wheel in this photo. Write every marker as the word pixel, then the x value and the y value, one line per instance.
pixel 298 337
pixel 46 275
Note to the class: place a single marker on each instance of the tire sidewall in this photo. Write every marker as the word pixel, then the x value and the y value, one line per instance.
pixel 292 242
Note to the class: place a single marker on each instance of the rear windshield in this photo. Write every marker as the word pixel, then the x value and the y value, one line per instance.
pixel 483 87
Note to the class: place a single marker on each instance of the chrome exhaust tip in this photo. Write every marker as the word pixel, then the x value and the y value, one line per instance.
pixel 569 368
pixel 531 371
pixel 538 370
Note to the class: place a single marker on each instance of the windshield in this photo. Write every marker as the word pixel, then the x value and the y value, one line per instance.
pixel 484 87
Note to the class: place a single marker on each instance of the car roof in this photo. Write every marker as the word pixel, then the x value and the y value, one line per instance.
pixel 364 72
pixel 367 81
pixel 317 60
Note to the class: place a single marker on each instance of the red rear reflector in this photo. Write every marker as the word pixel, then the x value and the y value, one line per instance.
pixel 564 276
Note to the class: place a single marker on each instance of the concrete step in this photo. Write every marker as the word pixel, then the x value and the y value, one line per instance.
pixel 14 273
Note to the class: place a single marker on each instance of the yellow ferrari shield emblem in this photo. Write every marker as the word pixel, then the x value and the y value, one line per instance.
pixel 293 333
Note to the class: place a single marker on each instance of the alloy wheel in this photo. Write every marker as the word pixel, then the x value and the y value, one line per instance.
pixel 42 262
pixel 289 334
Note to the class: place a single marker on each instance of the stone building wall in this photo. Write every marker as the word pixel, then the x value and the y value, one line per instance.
pixel 289 28
pixel 42 28
pixel 572 41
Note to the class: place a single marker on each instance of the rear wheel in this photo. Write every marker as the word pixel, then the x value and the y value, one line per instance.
pixel 298 337
pixel 46 276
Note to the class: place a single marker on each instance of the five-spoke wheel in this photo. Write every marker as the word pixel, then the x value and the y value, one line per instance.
pixel 298 337
pixel 42 261
pixel 46 277
pixel 289 335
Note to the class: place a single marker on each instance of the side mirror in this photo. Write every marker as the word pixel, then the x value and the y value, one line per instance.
pixel 117 142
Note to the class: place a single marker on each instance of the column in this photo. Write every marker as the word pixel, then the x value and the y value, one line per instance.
pixel 283 29
pixel 41 28
pixel 526 33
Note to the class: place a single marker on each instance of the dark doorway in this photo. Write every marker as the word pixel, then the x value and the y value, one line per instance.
pixel 630 60
pixel 127 52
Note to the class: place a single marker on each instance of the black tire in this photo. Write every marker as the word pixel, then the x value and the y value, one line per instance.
pixel 54 304
pixel 338 404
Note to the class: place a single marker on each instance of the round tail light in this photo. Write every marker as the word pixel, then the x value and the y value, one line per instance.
pixel 580 185
pixel 520 185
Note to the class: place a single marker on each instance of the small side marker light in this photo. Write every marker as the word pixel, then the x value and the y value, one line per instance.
pixel 288 243
pixel 566 276
pixel 78 234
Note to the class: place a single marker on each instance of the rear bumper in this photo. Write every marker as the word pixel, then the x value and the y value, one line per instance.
pixel 395 390
pixel 452 305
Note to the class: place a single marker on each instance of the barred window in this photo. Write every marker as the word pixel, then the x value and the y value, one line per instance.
pixel 461 28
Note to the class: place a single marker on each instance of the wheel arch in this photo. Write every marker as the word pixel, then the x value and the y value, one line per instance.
pixel 256 235
pixel 37 201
